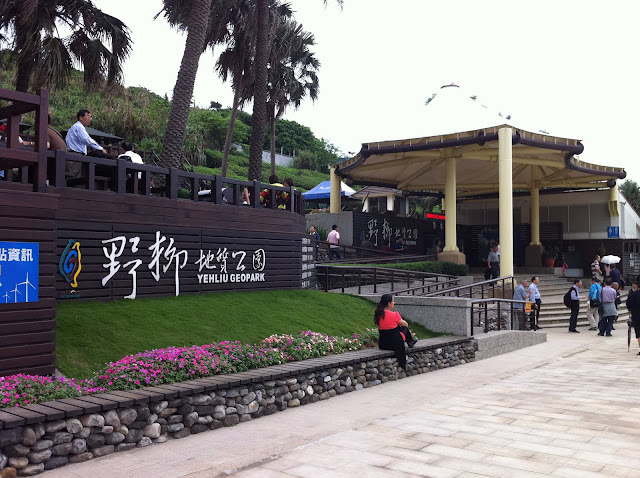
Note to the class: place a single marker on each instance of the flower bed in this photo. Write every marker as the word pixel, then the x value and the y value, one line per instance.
pixel 178 364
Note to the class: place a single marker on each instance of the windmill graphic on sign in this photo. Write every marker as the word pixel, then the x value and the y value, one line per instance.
pixel 15 293
pixel 26 285
pixel 6 297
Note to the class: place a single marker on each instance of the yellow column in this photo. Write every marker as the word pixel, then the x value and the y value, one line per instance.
pixel 390 202
pixel 450 197
pixel 335 200
pixel 505 202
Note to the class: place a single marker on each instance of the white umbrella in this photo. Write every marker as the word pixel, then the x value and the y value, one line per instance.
pixel 610 260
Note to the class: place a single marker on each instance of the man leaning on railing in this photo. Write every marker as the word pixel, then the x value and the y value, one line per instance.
pixel 521 293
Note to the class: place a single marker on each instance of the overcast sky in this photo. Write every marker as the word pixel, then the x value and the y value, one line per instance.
pixel 568 67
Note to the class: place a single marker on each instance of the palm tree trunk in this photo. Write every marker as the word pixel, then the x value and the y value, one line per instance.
pixel 183 90
pixel 25 60
pixel 272 124
pixel 23 76
pixel 258 121
pixel 232 124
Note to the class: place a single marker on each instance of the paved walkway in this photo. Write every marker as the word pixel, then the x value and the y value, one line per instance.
pixel 566 408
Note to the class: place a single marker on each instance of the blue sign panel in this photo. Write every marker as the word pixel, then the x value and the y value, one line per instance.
pixel 613 232
pixel 18 272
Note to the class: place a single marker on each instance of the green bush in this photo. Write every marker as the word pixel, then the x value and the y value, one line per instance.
pixel 213 158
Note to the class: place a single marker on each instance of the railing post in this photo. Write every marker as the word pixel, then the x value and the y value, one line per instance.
pixel 173 183
pixel 195 189
pixel 392 280
pixel 326 282
pixel 60 180
pixel 121 185
pixel 359 281
pixel 375 280
pixel 342 271
pixel 486 317
pixel 147 183
pixel 255 195
pixel 91 181
pixel 216 191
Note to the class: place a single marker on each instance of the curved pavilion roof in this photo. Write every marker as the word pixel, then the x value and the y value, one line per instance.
pixel 462 128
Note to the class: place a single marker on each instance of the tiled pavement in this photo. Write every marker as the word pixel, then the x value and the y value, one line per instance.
pixel 566 408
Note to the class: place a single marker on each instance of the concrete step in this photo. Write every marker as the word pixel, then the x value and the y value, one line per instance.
pixel 500 342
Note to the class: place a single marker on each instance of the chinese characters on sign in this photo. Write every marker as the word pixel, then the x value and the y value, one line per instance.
pixel 19 264
pixel 388 233
pixel 217 266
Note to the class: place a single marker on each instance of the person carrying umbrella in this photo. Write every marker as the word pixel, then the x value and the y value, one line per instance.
pixel 633 304
pixel 607 261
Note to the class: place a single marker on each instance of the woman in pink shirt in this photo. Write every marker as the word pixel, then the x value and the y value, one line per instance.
pixel 393 331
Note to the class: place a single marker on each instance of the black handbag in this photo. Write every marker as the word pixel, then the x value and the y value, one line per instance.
pixel 595 303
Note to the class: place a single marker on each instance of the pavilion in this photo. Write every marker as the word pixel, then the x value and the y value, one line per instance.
pixel 458 157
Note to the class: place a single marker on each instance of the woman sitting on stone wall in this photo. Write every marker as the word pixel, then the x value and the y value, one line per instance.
pixel 393 330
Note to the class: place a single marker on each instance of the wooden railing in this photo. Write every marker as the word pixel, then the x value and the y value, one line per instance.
pixel 13 156
pixel 120 176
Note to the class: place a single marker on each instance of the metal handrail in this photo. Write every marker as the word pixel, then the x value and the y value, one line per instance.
pixel 375 276
pixel 483 309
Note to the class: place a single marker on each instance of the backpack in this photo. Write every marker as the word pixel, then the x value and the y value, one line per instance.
pixel 567 299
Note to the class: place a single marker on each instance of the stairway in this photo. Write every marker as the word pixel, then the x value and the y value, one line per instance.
pixel 554 313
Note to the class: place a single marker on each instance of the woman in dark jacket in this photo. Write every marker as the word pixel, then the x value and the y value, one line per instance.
pixel 393 331
pixel 633 304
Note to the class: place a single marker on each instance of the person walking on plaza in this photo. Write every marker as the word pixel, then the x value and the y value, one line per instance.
pixel 595 269
pixel 594 301
pixel 535 297
pixel 393 331
pixel 333 238
pixel 609 311
pixel 521 293
pixel 493 261
pixel 615 275
pixel 575 305
pixel 78 139
pixel 633 304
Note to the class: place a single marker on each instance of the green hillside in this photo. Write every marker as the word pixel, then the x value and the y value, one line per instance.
pixel 140 116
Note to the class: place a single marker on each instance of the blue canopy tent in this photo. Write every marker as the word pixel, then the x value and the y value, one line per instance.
pixel 323 191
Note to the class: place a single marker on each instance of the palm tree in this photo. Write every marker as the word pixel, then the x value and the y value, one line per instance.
pixel 196 23
pixel 45 59
pixel 259 117
pixel 237 60
pixel 258 123
pixel 292 74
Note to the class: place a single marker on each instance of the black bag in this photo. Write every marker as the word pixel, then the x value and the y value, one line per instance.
pixel 487 273
pixel 595 303
pixel 622 283
pixel 567 299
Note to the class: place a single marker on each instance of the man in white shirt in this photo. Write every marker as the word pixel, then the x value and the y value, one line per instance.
pixel 333 238
pixel 535 297
pixel 129 155
pixel 78 139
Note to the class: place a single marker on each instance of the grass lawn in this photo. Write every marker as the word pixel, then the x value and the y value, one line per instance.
pixel 89 334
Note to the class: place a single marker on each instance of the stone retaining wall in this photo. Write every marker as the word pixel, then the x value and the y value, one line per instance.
pixel 31 449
